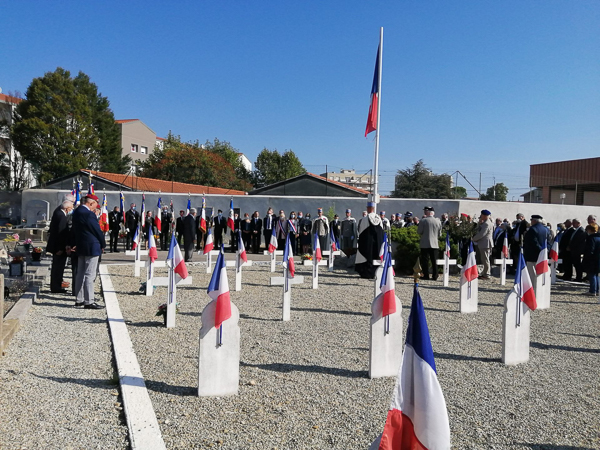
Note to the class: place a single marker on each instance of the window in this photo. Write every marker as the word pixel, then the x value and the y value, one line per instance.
pixel 134 148
pixel 143 150
pixel 347 179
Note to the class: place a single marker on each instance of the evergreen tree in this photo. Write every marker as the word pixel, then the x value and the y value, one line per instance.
pixel 272 166
pixel 420 182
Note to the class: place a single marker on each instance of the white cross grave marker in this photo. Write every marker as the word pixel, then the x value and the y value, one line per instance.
pixel 504 261
pixel 150 265
pixel 273 257
pixel 315 270
pixel 238 264
pixel 172 281
pixel 209 256
pixel 446 263
pixel 330 256
pixel 137 260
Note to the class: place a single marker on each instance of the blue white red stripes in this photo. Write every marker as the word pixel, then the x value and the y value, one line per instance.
pixel 541 266
pixel 136 239
pixel 122 202
pixel 335 246
pixel 241 247
pixel 384 247
pixel 218 290
pixel 523 284
pixel 273 242
pixel 288 257
pixel 373 107
pixel 470 267
pixel 203 216
pixel 157 219
pixel 176 258
pixel 447 250
pixel 152 253
pixel 209 245
pixel 554 250
pixel 388 287
pixel 505 245
pixel 230 221
pixel 317 249
pixel 418 418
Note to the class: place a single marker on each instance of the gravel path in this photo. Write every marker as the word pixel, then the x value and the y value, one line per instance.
pixel 304 383
pixel 57 385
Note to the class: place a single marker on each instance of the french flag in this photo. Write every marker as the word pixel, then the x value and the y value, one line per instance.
pixel 554 250
pixel 152 253
pixel 388 286
pixel 122 200
pixel 203 216
pixel 218 290
pixel 241 248
pixel 373 108
pixel 104 215
pixel 383 250
pixel 288 257
pixel 209 242
pixel 335 246
pixel 230 222
pixel 470 267
pixel 273 242
pixel 447 250
pixel 317 249
pixel 157 221
pixel 523 284
pixel 136 239
pixel 541 266
pixel 189 206
pixel 176 258
pixel 505 245
pixel 417 418
pixel 91 189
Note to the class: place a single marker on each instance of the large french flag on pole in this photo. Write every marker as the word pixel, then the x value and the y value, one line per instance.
pixel 122 201
pixel 273 242
pixel 230 222
pixel 388 287
pixel 209 242
pixel 203 216
pixel 554 250
pixel 417 418
pixel 372 118
pixel 241 247
pixel 541 266
pixel 523 284
pixel 470 267
pixel 288 257
pixel 176 258
pixel 218 290
pixel 152 253
pixel 317 249
pixel 157 221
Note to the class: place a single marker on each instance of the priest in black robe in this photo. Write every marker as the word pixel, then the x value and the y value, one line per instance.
pixel 370 238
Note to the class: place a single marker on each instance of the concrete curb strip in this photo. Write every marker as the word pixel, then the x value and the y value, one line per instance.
pixel 144 431
pixel 17 314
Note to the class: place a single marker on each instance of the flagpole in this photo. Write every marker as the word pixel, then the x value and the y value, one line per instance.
pixel 375 194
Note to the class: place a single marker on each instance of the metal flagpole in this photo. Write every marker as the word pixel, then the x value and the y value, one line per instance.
pixel 375 195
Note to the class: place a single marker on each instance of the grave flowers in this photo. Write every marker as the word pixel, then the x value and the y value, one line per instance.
pixel 36 254
pixel 27 244
pixel 162 311
pixel 307 257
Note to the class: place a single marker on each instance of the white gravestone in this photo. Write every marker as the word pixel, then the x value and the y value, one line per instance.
pixel 315 270
pixel 330 256
pixel 150 275
pixel 238 264
pixel 138 263
pixel 385 340
pixel 503 262
pixel 209 256
pixel 541 286
pixel 516 320
pixel 219 360
pixel 287 283
pixel 273 257
pixel 446 263
pixel 468 295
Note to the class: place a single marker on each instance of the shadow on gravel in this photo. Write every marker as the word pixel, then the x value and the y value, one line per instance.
pixel 552 447
pixel 66 304
pixel 575 302
pixel 89 382
pixel 191 313
pixel 330 311
pixel 165 388
pixel 563 347
pixel 287 368
pixel 464 357
pixel 77 319
pixel 407 307
pixel 581 335
pixel 148 324
pixel 246 316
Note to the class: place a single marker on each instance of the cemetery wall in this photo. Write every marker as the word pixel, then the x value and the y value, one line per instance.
pixel 260 203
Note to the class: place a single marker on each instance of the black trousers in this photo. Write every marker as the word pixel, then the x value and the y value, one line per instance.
pixel 576 259
pixel 267 238
pixel 129 241
pixel 188 251
pixel 256 242
pixel 217 241
pixel 164 239
pixel 429 254
pixel 114 240
pixel 567 266
pixel 57 272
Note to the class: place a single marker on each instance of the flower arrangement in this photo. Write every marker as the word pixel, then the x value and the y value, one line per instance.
pixel 307 257
pixel 156 237
pixel 27 241
pixel 162 309
pixel 12 238
pixel 37 250
pixel 122 234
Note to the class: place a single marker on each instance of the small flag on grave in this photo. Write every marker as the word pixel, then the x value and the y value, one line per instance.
pixel 317 249
pixel 554 250
pixel 157 221
pixel 78 195
pixel 136 239
pixel 523 284
pixel 384 247
pixel 242 247
pixel 203 216
pixel 447 250
pixel 541 266
pixel 288 257
pixel 505 245
pixel 273 242
pixel 218 290
pixel 335 246
pixel 417 418
pixel 152 253
pixel 176 258
pixel 230 221
pixel 388 287
pixel 470 268
pixel 208 246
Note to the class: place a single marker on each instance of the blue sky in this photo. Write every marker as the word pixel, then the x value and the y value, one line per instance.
pixel 478 86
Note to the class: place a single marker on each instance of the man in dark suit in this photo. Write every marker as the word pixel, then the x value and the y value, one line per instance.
pixel 115 218
pixel 268 224
pixel 132 219
pixel 198 233
pixel 189 234
pixel 179 226
pixel 58 245
pixel 234 235
pixel 165 226
pixel 516 242
pixel 89 243
pixel 219 226
pixel 535 239
pixel 246 228
pixel 256 231
pixel 564 254
pixel 576 247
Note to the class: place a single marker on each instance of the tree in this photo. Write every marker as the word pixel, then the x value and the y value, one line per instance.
pixel 496 193
pixel 231 155
pixel 190 163
pixel 459 192
pixel 420 182
pixel 64 125
pixel 271 167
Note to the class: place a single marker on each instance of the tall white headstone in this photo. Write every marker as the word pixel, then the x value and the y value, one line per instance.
pixel 385 342
pixel 516 321
pixel 219 360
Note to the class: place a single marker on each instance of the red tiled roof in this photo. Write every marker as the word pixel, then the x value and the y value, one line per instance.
pixel 347 186
pixel 154 185
pixel 126 120
pixel 160 139
pixel 10 99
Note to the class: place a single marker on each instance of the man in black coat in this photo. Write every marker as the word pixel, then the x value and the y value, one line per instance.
pixel 189 234
pixel 256 231
pixel 58 244
pixel 576 247
pixel 132 219
pixel 564 254
pixel 165 227
pixel 219 226
pixel 115 218
pixel 517 241
pixel 535 239
pixel 268 224
pixel 179 226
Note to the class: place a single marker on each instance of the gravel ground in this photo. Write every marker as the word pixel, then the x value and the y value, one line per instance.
pixel 304 383
pixel 57 381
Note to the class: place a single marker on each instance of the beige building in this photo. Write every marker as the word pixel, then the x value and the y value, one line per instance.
pixel 137 139
pixel 351 178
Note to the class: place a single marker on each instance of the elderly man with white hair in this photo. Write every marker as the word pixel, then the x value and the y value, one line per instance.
pixel 58 244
